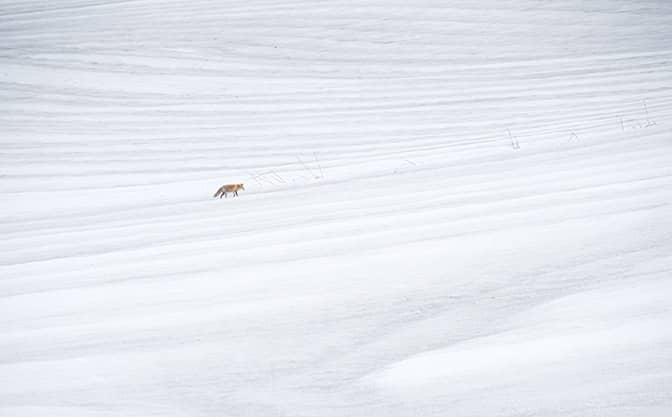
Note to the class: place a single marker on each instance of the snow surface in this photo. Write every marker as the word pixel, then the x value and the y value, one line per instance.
pixel 452 208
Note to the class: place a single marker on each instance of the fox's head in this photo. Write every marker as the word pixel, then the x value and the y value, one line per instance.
pixel 241 186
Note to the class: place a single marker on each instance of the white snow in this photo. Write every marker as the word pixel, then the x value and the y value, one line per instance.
pixel 451 208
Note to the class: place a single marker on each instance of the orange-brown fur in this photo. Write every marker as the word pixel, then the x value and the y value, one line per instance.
pixel 229 188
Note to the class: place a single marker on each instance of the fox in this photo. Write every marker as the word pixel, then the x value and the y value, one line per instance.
pixel 228 188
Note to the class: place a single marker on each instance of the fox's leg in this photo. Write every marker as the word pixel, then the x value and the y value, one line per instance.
pixel 235 193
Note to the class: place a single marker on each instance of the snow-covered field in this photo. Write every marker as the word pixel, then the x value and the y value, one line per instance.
pixel 452 208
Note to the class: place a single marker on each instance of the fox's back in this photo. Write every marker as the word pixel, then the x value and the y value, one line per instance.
pixel 229 188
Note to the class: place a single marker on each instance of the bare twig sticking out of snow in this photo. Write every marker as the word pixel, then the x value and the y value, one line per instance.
pixel 256 178
pixel 319 165
pixel 649 122
pixel 270 177
pixel 635 123
pixel 514 141
pixel 309 170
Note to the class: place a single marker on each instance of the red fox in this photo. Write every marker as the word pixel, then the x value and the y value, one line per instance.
pixel 228 188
